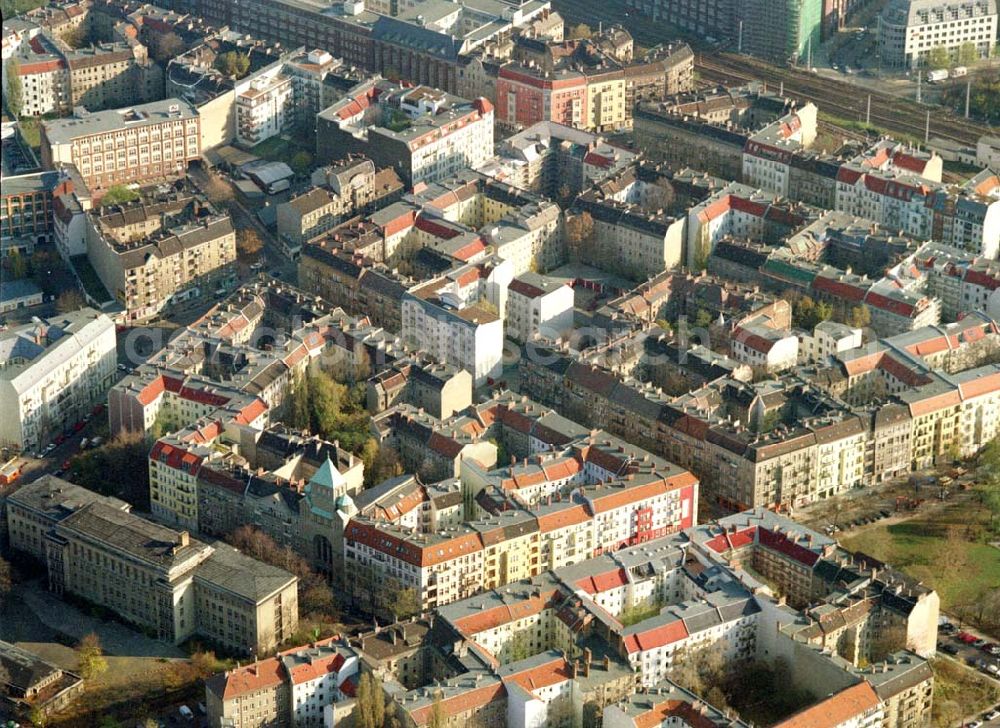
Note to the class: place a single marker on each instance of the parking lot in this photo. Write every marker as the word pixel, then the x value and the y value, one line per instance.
pixel 971 648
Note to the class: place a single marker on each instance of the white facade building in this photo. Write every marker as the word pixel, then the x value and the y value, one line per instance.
pixel 911 29
pixel 468 336
pixel 760 346
pixel 52 372
pixel 827 338
pixel 264 108
pixel 537 305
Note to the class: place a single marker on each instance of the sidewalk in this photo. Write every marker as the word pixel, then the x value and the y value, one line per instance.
pixel 116 639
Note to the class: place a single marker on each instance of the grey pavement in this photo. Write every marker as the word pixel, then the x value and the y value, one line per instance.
pixel 116 639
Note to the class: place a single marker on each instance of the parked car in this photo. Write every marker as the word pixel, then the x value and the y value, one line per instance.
pixel 96 441
pixel 979 643
pixel 60 439
pixel 966 637
pixel 122 367
pixel 946 627
pixel 49 448
pixel 974 724
pixel 992 715
pixel 83 443
pixel 949 649
pixel 185 712
pixel 98 409
pixel 78 425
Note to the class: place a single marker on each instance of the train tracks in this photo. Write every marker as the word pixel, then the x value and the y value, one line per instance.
pixel 844 100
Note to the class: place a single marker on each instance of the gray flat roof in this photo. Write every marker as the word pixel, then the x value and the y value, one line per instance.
pixel 64 131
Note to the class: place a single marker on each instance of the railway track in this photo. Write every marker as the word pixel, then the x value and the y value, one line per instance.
pixel 846 100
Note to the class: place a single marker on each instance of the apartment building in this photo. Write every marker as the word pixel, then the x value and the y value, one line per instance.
pixel 348 281
pixel 467 333
pixel 296 687
pixel 537 306
pixel 745 212
pixel 556 160
pixel 297 500
pixel 556 510
pixel 265 109
pixel 828 338
pixel 154 577
pixel 778 31
pixel 601 635
pixel 634 231
pixel 350 187
pixel 53 371
pixel 909 30
pixel 55 78
pixel 438 389
pixel 400 42
pixel 27 205
pixel 591 84
pixel 31 512
pixel 425 134
pixel 140 144
pixel 771 349
pixel 148 250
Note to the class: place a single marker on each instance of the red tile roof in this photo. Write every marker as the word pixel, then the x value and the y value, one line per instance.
pixel 613 498
pixel 462 702
pixel 252 678
pixel 409 551
pixel 562 518
pixel 545 675
pixel 781 543
pixel 656 637
pixel 603 582
pixel 507 613
pixel 836 710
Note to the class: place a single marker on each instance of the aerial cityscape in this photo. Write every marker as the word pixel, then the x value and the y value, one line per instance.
pixel 486 363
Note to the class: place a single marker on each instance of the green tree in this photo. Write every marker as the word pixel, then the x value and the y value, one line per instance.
pixel 37 717
pixel 381 462
pixel 119 468
pixel 91 657
pixel 69 300
pixel 6 579
pixel 967 54
pixel 15 91
pixel 165 46
pixel 301 163
pixel 703 318
pixel 119 195
pixel 299 409
pixel 580 31
pixel 938 58
pixel 438 718
pixel 369 706
pixel 405 603
pixel 248 242
pixel 17 264
pixel 233 64
pixel 861 316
